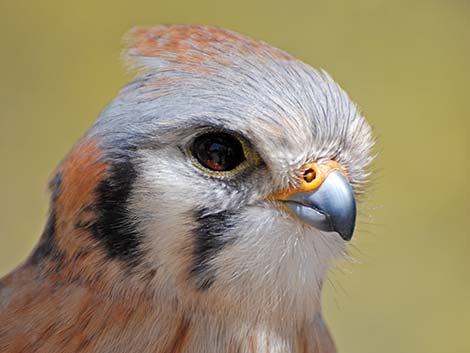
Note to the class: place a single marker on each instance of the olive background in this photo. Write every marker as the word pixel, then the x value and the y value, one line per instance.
pixel 406 63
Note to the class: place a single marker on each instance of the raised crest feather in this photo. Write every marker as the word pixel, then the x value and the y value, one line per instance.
pixel 191 45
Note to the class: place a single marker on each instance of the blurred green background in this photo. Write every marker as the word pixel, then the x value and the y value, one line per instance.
pixel 405 62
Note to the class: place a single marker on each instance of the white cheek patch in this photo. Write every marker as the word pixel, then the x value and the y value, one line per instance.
pixel 277 257
pixel 168 193
pixel 164 196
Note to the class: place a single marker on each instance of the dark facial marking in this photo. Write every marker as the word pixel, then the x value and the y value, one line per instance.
pixel 210 236
pixel 113 227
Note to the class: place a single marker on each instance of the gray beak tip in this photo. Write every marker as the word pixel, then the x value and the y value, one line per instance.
pixel 331 207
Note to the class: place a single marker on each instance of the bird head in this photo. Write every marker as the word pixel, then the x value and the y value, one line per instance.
pixel 223 178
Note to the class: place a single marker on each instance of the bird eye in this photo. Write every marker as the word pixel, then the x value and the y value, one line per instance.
pixel 218 151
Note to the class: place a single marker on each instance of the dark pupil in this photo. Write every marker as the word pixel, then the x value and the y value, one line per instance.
pixel 218 151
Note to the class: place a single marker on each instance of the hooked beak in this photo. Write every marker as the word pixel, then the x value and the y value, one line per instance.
pixel 329 205
pixel 330 208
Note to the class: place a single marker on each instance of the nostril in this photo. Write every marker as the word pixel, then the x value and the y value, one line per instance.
pixel 309 175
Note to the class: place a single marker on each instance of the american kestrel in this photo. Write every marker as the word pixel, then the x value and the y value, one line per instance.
pixel 201 211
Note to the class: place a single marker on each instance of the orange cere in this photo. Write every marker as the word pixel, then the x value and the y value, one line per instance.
pixel 311 177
